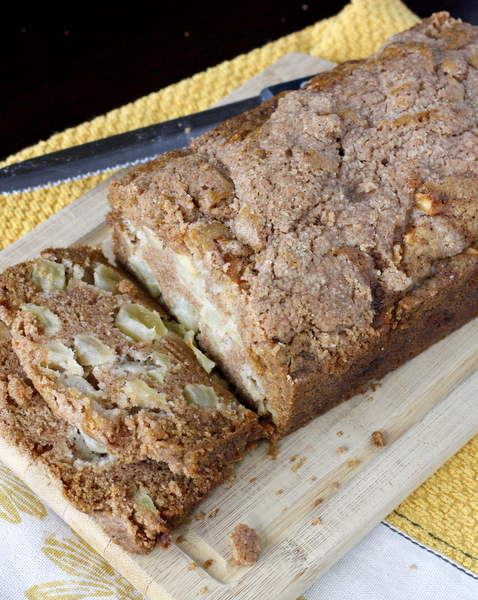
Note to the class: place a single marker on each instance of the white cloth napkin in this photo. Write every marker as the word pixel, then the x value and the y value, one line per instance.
pixel 41 558
pixel 388 565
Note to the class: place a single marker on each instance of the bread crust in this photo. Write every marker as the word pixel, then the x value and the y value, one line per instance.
pixel 329 229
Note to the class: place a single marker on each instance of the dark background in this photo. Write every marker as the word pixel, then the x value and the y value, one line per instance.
pixel 65 65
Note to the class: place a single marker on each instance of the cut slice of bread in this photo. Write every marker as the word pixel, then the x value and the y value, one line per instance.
pixel 138 504
pixel 111 362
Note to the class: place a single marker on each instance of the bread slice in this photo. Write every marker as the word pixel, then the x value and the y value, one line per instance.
pixel 109 360
pixel 323 238
pixel 138 504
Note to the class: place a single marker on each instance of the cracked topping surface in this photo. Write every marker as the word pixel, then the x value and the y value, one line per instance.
pixel 334 200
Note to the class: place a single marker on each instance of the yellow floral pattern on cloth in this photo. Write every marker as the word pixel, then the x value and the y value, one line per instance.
pixel 16 498
pixel 90 575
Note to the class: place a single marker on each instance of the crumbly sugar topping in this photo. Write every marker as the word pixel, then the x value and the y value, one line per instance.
pixel 337 199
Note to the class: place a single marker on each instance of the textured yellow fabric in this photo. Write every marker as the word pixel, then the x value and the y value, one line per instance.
pixel 443 513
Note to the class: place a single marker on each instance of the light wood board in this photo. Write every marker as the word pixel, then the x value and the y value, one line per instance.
pixel 425 410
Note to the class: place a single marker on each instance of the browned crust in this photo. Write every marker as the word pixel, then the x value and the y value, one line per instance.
pixel 427 314
pixel 298 384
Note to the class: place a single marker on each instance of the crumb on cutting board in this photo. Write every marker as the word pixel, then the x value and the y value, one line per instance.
pixel 207 563
pixel 272 452
pixel 246 545
pixel 227 485
pixel 378 439
pixel 299 464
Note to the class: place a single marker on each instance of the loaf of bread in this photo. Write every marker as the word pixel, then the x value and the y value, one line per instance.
pixel 327 236
pixel 113 364
pixel 138 504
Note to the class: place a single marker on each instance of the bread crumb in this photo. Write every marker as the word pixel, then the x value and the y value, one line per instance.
pixel 272 452
pixel 126 287
pixel 207 563
pixel 378 439
pixel 317 501
pixel 370 398
pixel 362 390
pixel 213 514
pixel 252 480
pixel 341 449
pixel 192 566
pixel 298 464
pixel 246 545
pixel 200 516
pixel 353 463
pixel 335 485
pixel 228 484
pixel 340 433
pixel 279 492
pixel 292 458
pixel 413 567
pixel 316 521
pixel 375 387
pixel 202 591
pixel 179 539
pixel 313 478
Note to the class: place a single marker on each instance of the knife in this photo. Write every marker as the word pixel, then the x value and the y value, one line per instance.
pixel 126 149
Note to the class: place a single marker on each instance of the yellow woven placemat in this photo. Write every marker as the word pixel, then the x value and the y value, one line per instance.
pixel 442 513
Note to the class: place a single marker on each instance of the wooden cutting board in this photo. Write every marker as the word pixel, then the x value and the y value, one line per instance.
pixel 425 411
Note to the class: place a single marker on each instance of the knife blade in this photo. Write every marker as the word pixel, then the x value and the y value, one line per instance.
pixel 126 149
